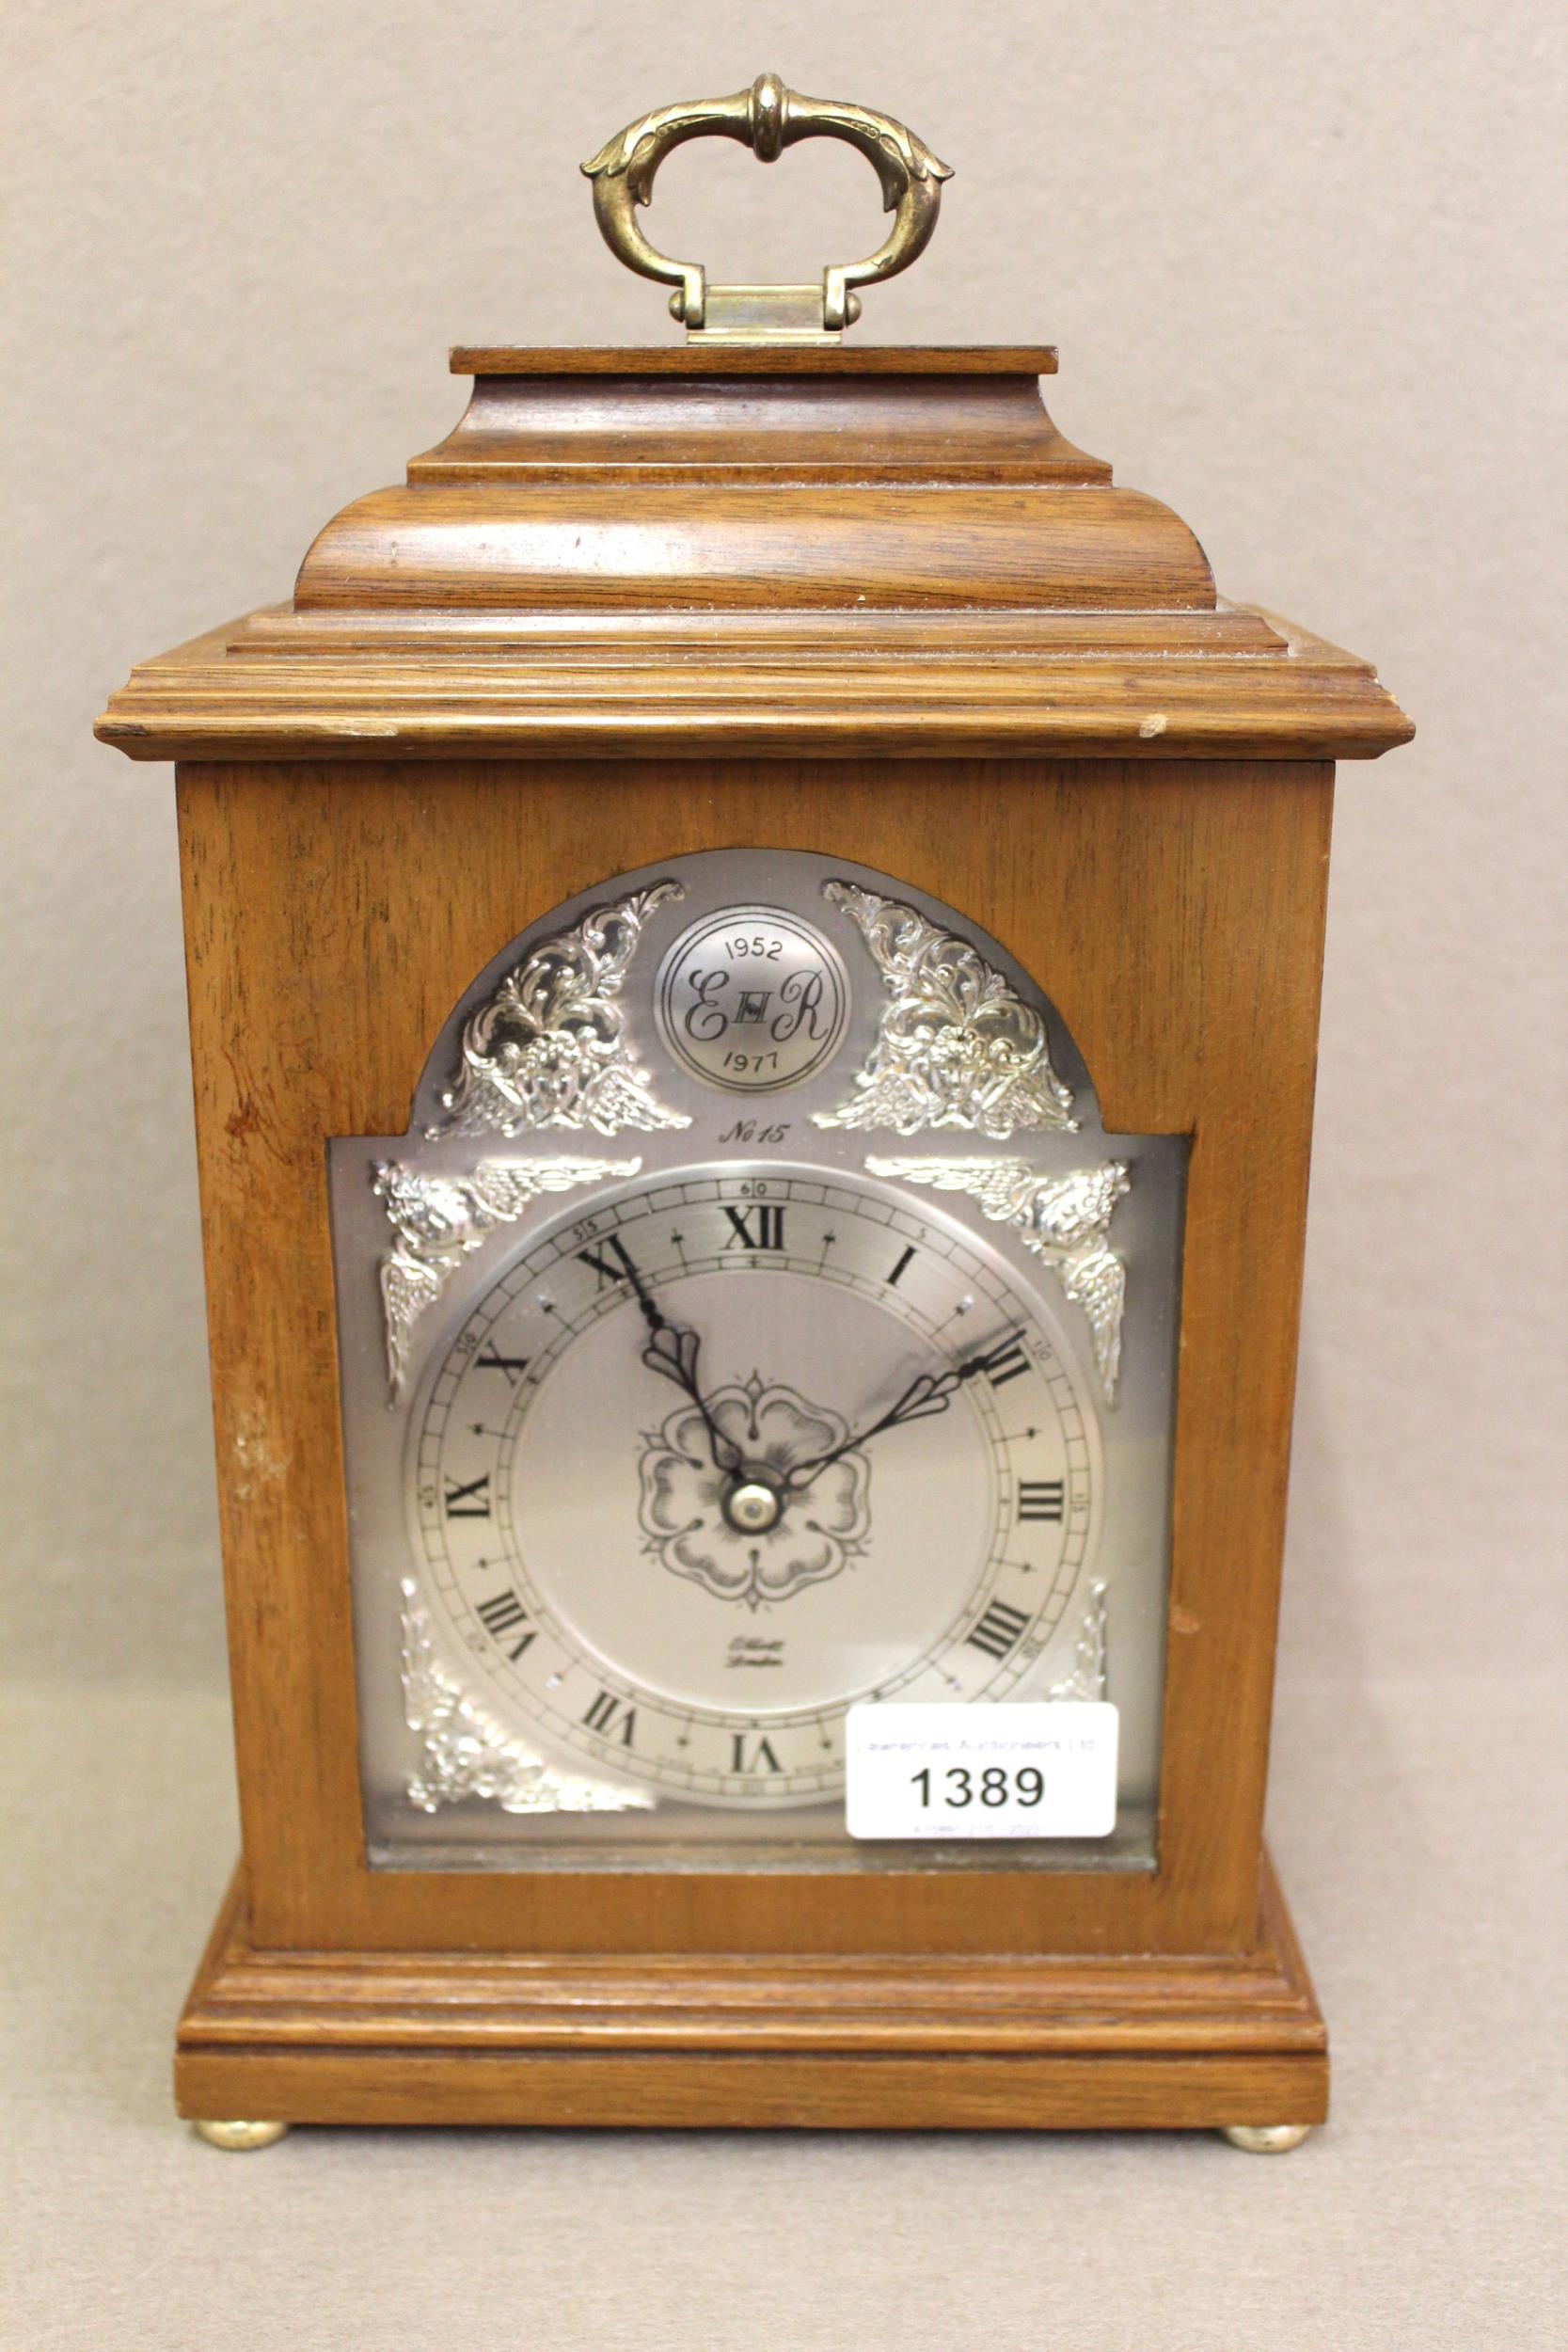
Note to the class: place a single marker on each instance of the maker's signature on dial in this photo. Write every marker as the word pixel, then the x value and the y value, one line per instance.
pixel 751 1649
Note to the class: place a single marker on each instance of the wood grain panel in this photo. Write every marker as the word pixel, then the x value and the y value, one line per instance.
pixel 585 547
pixel 735 2092
pixel 853 358
pixel 1046 2044
pixel 631 427
pixel 412 683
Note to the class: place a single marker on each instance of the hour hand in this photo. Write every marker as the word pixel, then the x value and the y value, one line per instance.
pixel 672 1349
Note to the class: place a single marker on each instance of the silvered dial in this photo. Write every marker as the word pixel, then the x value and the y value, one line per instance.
pixel 736 1448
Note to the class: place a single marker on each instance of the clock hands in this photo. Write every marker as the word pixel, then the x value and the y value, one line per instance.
pixel 672 1350
pixel 928 1392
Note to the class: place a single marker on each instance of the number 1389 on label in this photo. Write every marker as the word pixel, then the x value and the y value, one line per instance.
pixel 1045 1769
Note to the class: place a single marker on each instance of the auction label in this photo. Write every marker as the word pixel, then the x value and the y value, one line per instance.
pixel 1036 1769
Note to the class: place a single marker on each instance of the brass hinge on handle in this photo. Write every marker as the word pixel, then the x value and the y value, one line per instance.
pixel 768 118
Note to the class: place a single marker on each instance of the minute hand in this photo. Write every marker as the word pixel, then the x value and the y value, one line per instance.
pixel 928 1392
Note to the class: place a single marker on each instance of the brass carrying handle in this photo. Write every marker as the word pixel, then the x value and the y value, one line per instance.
pixel 768 118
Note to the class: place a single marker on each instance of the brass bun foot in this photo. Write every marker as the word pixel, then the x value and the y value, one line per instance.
pixel 238 2135
pixel 1266 2139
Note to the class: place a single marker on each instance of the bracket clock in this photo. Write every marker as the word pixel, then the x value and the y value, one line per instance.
pixel 755 936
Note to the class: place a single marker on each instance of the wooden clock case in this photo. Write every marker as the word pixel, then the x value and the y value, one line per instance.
pixel 643 603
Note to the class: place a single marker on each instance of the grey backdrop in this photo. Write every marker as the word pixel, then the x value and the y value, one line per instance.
pixel 1303 267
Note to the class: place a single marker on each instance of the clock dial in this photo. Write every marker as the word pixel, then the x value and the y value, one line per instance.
pixel 706 1464
pixel 754 1319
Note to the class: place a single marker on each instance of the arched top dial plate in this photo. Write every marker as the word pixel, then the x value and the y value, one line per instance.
pixel 902 1100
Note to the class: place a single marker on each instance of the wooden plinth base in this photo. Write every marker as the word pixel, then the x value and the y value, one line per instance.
pixel 864 2044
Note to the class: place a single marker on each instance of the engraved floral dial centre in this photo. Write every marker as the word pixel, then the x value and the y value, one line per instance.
pixel 714 1483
